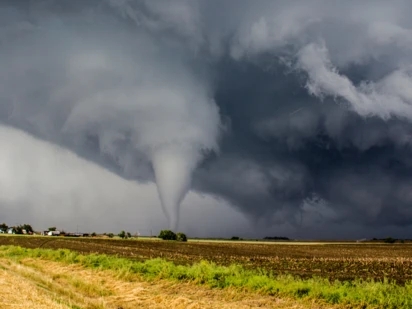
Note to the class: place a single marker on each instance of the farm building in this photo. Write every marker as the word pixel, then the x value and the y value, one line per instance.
pixel 53 233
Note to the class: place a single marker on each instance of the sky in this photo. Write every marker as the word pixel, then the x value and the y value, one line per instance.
pixel 215 118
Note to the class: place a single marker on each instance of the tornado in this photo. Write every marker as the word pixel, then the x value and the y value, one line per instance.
pixel 181 125
pixel 173 168
pixel 178 145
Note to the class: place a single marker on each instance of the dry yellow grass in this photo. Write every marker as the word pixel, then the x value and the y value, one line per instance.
pixel 42 284
pixel 17 292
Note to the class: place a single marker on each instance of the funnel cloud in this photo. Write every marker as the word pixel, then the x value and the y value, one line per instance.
pixel 285 118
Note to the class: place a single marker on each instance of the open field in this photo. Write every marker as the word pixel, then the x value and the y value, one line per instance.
pixel 332 261
pixel 37 283
pixel 232 286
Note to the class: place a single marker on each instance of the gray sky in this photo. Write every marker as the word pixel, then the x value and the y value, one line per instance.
pixel 261 118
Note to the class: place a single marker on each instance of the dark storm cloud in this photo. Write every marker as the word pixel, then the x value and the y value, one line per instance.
pixel 287 149
pixel 293 112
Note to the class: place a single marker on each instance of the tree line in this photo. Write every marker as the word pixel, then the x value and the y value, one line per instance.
pixel 19 229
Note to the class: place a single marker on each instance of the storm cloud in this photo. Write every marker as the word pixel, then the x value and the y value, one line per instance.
pixel 296 115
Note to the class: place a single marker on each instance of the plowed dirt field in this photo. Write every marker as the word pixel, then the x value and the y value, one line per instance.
pixel 334 261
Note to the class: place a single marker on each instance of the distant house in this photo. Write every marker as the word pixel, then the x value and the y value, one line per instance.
pixel 1 231
pixel 53 233
pixel 11 230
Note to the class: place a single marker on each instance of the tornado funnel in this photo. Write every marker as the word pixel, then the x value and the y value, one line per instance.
pixel 173 168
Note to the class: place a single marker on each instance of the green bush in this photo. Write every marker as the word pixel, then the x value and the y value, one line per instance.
pixel 181 237
pixel 167 235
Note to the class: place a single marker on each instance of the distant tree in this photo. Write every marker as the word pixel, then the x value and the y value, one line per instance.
pixel 167 235
pixel 4 227
pixel 181 237
pixel 389 240
pixel 122 234
pixel 129 235
pixel 235 238
pixel 111 235
pixel 276 238
pixel 93 234
pixel 28 228
pixel 18 229
pixel 52 229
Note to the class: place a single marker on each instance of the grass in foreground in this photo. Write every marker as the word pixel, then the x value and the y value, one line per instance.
pixel 354 294
pixel 42 284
